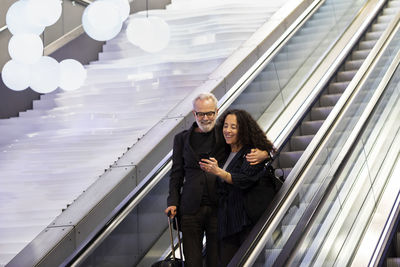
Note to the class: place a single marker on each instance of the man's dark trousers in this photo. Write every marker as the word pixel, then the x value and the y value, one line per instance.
pixel 192 230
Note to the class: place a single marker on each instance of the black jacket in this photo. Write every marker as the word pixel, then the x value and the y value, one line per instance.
pixel 186 178
pixel 242 202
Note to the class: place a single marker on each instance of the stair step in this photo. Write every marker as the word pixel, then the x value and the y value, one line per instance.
pixel 373 36
pixel 353 64
pixel 311 127
pixel 384 18
pixel 300 142
pixel 338 87
pixel 360 54
pixel 347 75
pixel 393 262
pixel 289 159
pixel 329 100
pixel 320 113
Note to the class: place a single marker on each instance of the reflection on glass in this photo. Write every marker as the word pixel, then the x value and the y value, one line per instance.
pixel 136 234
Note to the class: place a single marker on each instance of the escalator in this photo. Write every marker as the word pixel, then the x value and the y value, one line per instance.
pixel 121 239
pixel 303 234
pixel 127 242
pixel 340 231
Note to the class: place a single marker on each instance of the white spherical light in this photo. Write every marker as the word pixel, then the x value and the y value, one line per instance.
pixel 72 74
pixel 138 30
pixel 25 48
pixel 17 20
pixel 123 8
pixel 101 20
pixel 44 12
pixel 45 75
pixel 159 36
pixel 16 75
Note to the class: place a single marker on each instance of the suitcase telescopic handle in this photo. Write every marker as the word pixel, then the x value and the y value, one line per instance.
pixel 172 237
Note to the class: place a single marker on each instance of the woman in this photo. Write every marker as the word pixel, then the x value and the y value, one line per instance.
pixel 237 212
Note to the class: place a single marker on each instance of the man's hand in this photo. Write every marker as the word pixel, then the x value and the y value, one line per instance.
pixel 256 156
pixel 171 210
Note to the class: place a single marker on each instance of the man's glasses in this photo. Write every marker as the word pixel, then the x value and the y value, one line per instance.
pixel 209 114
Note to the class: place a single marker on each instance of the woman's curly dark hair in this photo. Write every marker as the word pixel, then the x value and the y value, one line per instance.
pixel 250 134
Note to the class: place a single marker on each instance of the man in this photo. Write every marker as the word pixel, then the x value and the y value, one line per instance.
pixel 192 190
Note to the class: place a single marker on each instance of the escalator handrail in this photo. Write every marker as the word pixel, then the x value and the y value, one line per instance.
pixel 283 198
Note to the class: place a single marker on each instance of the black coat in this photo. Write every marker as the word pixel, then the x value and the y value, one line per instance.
pixel 242 202
pixel 187 179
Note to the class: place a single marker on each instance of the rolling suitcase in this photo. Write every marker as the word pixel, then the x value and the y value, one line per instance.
pixel 172 262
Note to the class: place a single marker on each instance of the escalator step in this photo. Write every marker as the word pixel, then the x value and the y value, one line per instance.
pixel 373 35
pixel 289 159
pixel 329 100
pixel 397 244
pixel 393 262
pixel 367 44
pixel 390 11
pixel 320 113
pixel 360 54
pixel 380 26
pixel 311 127
pixel 337 87
pixel 384 19
pixel 346 75
pixel 393 4
pixel 300 142
pixel 354 64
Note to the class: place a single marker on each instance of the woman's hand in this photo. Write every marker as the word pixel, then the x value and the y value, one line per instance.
pixel 210 165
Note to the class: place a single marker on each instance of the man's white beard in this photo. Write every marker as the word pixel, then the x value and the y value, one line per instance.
pixel 206 128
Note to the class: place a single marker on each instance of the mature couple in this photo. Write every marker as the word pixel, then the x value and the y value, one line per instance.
pixel 213 165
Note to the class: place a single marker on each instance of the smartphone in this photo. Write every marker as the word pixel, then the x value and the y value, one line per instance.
pixel 204 156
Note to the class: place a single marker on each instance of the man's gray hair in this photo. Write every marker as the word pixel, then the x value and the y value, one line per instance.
pixel 203 96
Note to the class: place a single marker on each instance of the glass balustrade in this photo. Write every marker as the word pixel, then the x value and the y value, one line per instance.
pixel 356 171
pixel 343 218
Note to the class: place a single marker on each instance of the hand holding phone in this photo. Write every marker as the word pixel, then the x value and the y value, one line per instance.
pixel 204 156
